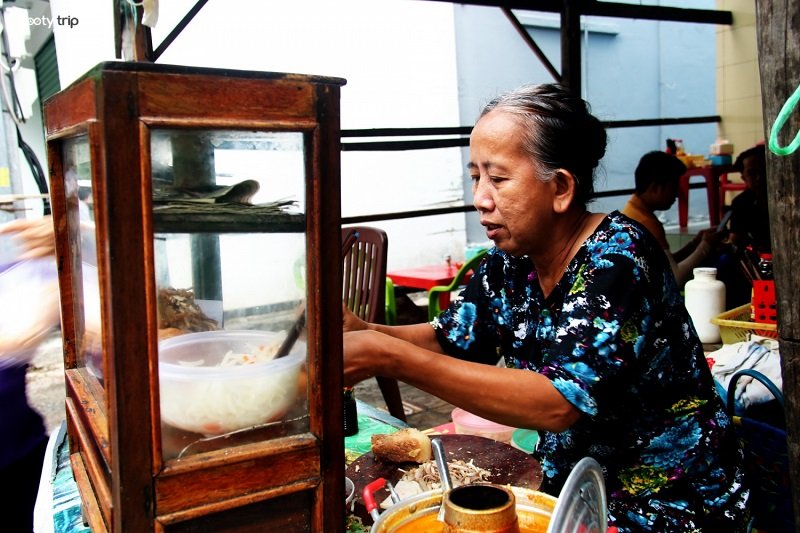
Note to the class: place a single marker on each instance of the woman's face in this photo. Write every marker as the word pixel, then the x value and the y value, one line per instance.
pixel 515 207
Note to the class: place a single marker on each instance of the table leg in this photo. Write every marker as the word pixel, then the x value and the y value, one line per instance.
pixel 683 201
pixel 712 190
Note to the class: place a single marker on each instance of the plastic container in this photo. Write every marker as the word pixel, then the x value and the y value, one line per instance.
pixel 474 249
pixel 719 160
pixel 705 299
pixel 204 392
pixel 765 304
pixel 467 423
pixel 525 439
pixel 721 147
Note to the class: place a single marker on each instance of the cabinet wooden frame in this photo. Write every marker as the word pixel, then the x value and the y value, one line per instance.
pixel 114 426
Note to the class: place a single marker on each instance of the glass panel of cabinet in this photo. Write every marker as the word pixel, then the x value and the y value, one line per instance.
pixel 227 301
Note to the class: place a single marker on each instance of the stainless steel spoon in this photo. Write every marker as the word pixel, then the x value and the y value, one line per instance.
pixel 444 472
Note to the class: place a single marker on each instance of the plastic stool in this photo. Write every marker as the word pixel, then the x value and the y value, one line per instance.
pixel 712 176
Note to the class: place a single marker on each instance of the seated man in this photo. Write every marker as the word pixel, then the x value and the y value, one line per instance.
pixel 657 176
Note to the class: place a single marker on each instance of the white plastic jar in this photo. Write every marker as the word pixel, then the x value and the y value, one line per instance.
pixel 705 299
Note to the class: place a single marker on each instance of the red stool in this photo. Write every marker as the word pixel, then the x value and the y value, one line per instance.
pixel 725 186
pixel 712 176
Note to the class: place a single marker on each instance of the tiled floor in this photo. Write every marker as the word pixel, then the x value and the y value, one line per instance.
pixel 423 410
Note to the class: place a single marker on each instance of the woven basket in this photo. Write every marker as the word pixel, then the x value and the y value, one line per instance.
pixel 735 325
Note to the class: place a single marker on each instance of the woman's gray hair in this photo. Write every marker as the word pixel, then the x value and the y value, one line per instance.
pixel 560 132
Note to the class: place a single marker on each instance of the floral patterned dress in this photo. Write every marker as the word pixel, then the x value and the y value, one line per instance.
pixel 616 340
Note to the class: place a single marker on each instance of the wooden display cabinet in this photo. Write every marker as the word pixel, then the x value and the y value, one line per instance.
pixel 170 159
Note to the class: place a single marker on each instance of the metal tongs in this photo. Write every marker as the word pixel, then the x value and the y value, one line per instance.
pixel 368 495
pixel 444 473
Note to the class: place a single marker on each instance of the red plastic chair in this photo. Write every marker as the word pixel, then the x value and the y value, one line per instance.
pixel 726 185
pixel 712 175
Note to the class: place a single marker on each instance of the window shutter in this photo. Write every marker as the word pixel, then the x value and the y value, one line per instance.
pixel 47 70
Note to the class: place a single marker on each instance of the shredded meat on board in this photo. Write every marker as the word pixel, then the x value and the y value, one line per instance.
pixel 461 473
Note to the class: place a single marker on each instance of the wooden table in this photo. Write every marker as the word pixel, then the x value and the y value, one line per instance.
pixel 426 277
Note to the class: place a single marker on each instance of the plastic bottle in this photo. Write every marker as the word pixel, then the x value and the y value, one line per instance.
pixel 350 412
pixel 765 266
pixel 705 299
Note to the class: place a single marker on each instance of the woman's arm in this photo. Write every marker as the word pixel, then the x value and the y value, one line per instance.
pixel 418 334
pixel 519 398
pixel 687 249
pixel 31 287
pixel 34 236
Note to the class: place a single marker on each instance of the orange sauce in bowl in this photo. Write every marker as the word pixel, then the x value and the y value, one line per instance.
pixel 429 523
pixel 534 509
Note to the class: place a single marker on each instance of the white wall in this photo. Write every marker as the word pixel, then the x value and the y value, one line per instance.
pixel 20 39
pixel 86 43
pixel 397 56
pixel 738 80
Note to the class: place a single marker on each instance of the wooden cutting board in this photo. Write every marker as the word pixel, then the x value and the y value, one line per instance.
pixel 508 466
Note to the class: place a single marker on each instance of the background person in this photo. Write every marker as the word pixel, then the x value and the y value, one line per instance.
pixel 749 227
pixel 657 176
pixel 601 355
pixel 29 281
pixel 750 214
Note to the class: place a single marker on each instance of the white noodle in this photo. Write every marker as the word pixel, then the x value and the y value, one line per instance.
pixel 217 406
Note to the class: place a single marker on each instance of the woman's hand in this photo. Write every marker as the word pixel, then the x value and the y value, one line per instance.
pixel 350 322
pixel 712 237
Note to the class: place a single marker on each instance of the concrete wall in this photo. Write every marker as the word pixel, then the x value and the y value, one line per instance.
pixel 22 38
pixel 738 83
pixel 632 69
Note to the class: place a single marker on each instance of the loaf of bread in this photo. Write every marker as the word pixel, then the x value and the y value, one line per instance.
pixel 404 446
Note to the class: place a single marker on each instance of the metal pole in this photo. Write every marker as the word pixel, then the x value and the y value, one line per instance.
pixel 10 176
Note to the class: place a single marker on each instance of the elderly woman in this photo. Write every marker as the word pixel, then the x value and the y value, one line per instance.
pixel 601 356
